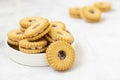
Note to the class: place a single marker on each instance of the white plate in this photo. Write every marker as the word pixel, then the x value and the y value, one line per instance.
pixel 27 59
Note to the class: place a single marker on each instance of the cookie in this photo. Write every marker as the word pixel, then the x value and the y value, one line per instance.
pixel 57 25
pixel 14 36
pixel 33 47
pixel 75 12
pixel 90 14
pixel 37 30
pixel 11 42
pixel 50 39
pixel 59 34
pixel 28 21
pixel 60 55
pixel 103 6
pixel 22 29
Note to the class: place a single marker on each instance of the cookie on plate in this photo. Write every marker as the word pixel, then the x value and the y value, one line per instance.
pixel 14 36
pixel 57 25
pixel 28 21
pixel 33 47
pixel 37 30
pixel 58 34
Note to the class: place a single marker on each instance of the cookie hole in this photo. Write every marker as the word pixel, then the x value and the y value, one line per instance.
pixel 59 33
pixel 54 26
pixel 32 20
pixel 91 11
pixel 62 55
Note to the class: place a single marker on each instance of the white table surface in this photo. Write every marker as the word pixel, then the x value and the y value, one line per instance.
pixel 97 45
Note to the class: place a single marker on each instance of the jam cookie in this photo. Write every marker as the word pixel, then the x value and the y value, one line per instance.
pixel 28 21
pixel 14 36
pixel 33 47
pixel 57 25
pixel 103 6
pixel 75 12
pixel 91 14
pixel 37 30
pixel 58 34
pixel 60 55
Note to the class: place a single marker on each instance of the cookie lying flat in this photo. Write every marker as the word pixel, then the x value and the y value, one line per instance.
pixel 60 55
pixel 14 36
pixel 103 6
pixel 75 12
pixel 58 34
pixel 33 47
pixel 91 14
pixel 57 25
pixel 28 21
pixel 37 30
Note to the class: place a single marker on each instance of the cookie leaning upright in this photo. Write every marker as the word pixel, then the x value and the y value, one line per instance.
pixel 37 30
pixel 90 14
pixel 60 55
pixel 103 6
pixel 14 36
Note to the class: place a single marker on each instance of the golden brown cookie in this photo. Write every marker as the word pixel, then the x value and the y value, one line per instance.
pixel 14 36
pixel 57 25
pixel 75 12
pixel 50 38
pixel 22 29
pixel 91 14
pixel 37 30
pixel 60 55
pixel 103 6
pixel 33 47
pixel 11 42
pixel 28 21
pixel 59 34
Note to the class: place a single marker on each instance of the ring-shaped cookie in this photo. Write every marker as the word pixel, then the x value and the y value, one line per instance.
pixel 28 21
pixel 59 34
pixel 91 14
pixel 103 6
pixel 16 35
pixel 75 12
pixel 37 43
pixel 57 25
pixel 33 47
pixel 60 55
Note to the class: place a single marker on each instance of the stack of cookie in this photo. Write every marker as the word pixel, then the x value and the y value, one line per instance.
pixel 37 35
pixel 90 13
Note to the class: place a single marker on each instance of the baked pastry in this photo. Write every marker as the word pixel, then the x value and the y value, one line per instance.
pixel 75 12
pixel 60 55
pixel 37 30
pixel 57 25
pixel 103 6
pixel 58 34
pixel 33 47
pixel 91 14
pixel 14 36
pixel 28 21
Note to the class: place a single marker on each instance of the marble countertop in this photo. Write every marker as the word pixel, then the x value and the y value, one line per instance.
pixel 97 45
